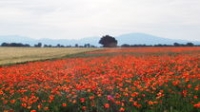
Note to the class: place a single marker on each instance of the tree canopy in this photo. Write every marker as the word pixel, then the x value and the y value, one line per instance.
pixel 108 41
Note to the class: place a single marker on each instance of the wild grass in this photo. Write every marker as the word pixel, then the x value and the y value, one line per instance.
pixel 13 55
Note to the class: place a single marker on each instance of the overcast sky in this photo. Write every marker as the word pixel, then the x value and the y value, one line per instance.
pixel 75 19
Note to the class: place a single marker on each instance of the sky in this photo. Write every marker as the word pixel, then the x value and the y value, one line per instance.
pixel 75 19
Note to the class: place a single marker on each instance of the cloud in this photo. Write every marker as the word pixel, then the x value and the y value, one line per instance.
pixel 83 18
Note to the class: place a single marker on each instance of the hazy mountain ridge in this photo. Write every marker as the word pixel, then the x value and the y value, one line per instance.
pixel 142 38
pixel 131 39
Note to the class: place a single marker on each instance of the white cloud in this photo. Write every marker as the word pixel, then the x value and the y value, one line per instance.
pixel 83 18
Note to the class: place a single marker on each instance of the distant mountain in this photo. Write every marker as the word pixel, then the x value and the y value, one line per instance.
pixel 91 40
pixel 53 42
pixel 142 38
pixel 15 38
pixel 131 38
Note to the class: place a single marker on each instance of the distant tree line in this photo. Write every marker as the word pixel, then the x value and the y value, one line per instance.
pixel 114 44
pixel 4 44
pixel 68 46
pixel 160 45
pixel 109 41
pixel 14 45
pixel 19 45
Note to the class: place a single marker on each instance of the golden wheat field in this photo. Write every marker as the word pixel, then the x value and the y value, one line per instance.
pixel 12 55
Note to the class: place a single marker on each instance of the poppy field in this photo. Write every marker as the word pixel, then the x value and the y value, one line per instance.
pixel 149 79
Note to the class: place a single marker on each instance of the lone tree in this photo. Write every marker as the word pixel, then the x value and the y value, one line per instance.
pixel 108 41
